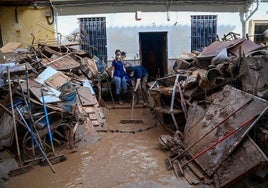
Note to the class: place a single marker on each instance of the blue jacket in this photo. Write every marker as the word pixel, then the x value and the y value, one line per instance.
pixel 140 72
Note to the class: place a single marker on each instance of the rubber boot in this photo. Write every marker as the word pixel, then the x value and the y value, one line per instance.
pixel 118 97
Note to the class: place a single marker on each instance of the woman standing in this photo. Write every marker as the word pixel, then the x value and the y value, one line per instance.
pixel 118 75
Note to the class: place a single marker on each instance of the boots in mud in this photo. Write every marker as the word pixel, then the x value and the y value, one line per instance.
pixel 118 99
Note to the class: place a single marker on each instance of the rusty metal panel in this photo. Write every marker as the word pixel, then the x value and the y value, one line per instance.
pixel 216 47
pixel 245 159
pixel 246 47
pixel 223 104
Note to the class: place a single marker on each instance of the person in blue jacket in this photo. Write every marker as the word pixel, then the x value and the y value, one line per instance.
pixel 119 76
pixel 140 76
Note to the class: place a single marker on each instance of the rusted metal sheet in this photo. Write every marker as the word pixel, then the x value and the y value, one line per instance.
pixel 216 47
pixel 245 159
pixel 246 47
pixel 223 104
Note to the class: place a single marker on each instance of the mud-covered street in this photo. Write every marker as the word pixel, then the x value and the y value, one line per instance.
pixel 116 160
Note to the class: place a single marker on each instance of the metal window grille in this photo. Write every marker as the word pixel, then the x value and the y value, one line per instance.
pixel 258 35
pixel 203 31
pixel 93 36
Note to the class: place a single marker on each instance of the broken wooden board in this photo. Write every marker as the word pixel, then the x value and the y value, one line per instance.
pixel 224 103
pixel 65 62
pixel 241 163
pixel 50 95
pixel 95 115
pixel 86 97
pixel 87 133
pixel 89 67
pixel 57 80
pixel 10 47
pixel 47 73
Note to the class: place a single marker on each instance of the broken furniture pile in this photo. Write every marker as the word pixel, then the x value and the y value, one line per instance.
pixel 48 104
pixel 215 105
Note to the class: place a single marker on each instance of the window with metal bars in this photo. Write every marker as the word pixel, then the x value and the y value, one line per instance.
pixel 93 36
pixel 203 31
pixel 259 36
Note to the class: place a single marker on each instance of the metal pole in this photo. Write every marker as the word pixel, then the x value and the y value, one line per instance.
pixel 13 116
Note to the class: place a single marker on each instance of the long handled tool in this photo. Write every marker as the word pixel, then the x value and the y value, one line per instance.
pixel 30 115
pixel 59 158
pixel 131 121
pixel 22 168
pixel 47 122
pixel 14 117
pixel 110 91
pixel 35 140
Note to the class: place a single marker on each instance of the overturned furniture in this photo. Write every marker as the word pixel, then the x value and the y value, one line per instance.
pixel 216 147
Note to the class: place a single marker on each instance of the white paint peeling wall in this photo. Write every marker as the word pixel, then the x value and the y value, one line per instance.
pixel 123 29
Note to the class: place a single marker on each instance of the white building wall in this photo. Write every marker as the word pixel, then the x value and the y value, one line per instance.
pixel 123 29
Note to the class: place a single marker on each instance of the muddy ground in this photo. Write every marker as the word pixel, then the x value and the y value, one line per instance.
pixel 116 160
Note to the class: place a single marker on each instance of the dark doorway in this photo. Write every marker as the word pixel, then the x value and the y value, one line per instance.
pixel 153 50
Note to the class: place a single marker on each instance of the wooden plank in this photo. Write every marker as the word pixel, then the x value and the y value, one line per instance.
pixel 62 63
pixel 10 47
pixel 51 95
pixel 57 80
pixel 87 133
pixel 100 113
pixel 89 109
pixel 93 117
pixel 242 162
pixel 85 96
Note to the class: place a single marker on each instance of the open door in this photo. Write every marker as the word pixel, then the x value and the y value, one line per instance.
pixel 153 50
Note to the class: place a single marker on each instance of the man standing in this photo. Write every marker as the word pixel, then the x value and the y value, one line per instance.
pixel 140 75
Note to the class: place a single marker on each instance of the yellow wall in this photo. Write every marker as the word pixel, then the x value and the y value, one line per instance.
pixel 30 20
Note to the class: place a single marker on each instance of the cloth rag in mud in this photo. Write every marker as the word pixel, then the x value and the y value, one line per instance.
pixel 68 96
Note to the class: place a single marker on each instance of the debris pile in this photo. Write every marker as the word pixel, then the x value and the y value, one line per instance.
pixel 48 103
pixel 215 105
